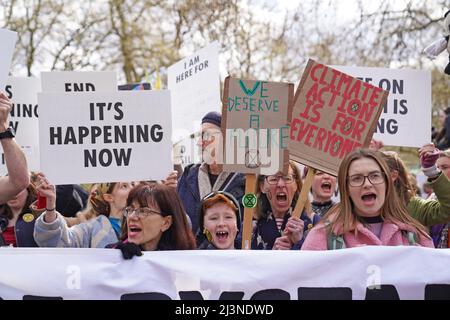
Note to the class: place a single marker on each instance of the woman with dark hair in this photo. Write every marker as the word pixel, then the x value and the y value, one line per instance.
pixel 20 219
pixel 275 227
pixel 370 211
pixel 155 220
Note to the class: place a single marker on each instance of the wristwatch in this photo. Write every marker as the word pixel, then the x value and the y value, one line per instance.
pixel 8 134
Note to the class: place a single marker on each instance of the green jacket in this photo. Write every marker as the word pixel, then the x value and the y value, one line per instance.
pixel 431 212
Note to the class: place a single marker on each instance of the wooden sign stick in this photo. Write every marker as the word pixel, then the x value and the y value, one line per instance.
pixel 250 188
pixel 304 193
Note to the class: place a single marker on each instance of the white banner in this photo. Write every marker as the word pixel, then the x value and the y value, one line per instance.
pixel 194 85
pixel 75 81
pixel 409 272
pixel 8 42
pixel 24 118
pixel 105 137
pixel 406 121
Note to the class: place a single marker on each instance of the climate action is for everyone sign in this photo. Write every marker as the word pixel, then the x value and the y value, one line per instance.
pixel 334 113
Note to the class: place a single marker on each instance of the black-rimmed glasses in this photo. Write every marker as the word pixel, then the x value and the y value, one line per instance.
pixel 357 180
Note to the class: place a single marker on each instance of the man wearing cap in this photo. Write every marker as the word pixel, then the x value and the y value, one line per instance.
pixel 198 180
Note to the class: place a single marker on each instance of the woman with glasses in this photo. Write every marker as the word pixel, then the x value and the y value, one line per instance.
pixel 104 217
pixel 275 228
pixel 370 212
pixel 220 221
pixel 155 220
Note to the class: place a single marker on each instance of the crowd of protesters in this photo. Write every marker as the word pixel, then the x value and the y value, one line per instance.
pixel 377 204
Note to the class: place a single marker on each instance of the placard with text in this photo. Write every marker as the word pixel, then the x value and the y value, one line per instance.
pixel 255 118
pixel 333 114
pixel 105 137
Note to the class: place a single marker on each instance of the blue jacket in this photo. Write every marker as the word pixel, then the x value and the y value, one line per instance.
pixel 266 231
pixel 24 231
pixel 189 193
pixel 95 233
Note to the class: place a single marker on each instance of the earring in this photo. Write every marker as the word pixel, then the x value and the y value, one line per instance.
pixel 207 234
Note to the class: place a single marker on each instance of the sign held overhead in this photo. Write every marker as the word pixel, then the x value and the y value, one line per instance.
pixel 334 113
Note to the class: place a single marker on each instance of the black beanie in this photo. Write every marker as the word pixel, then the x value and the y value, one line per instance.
pixel 213 117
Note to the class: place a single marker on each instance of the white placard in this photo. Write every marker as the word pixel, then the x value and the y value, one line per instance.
pixel 194 86
pixel 410 272
pixel 407 120
pixel 8 42
pixel 75 81
pixel 24 118
pixel 186 151
pixel 105 137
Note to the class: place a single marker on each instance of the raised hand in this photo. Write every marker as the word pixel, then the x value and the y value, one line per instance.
pixel 294 229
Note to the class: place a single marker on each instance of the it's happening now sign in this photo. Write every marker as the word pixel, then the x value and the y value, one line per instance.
pixel 105 136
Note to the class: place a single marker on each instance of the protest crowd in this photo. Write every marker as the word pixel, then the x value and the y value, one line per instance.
pixel 334 186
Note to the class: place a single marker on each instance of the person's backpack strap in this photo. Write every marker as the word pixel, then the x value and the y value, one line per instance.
pixel 411 236
pixel 334 242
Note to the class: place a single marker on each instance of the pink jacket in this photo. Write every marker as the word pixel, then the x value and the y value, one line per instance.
pixel 391 235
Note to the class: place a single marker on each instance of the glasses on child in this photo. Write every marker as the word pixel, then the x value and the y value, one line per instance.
pixel 274 179
pixel 358 180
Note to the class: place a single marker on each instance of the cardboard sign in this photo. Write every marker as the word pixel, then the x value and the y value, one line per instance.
pixel 105 137
pixel 73 81
pixel 8 40
pixel 23 117
pixel 194 85
pixel 333 114
pixel 255 117
pixel 409 103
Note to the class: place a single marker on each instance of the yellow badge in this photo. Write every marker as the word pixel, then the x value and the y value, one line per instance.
pixel 28 217
pixel 310 225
